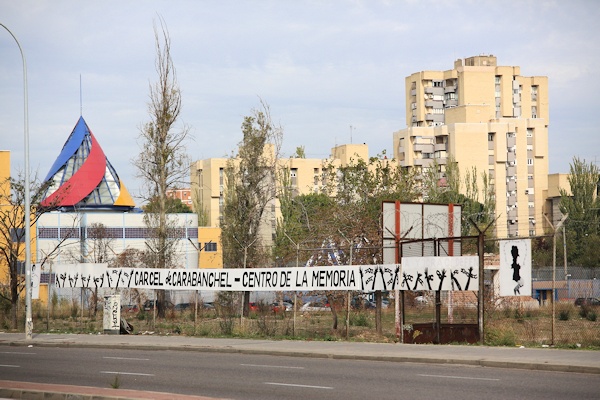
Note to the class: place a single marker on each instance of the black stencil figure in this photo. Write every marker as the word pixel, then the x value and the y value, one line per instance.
pixel 389 272
pixel 73 280
pixel 371 278
pixel 362 279
pixel 395 277
pixel 428 278
pixel 108 279
pixel 454 280
pixel 130 275
pixel 375 277
pixel 441 276
pixel 516 267
pixel 418 280
pixel 85 280
pixel 63 278
pixel 118 276
pixel 100 280
pixel 469 275
pixel 406 279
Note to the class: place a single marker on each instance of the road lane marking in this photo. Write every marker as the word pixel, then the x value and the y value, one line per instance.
pixel 295 385
pixel 126 358
pixel 9 366
pixel 16 352
pixel 125 373
pixel 270 366
pixel 459 377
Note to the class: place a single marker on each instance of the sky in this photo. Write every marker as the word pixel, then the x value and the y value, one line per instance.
pixel 332 72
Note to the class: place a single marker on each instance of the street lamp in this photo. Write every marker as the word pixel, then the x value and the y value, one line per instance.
pixel 27 207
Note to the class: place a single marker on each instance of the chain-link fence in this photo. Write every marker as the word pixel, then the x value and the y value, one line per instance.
pixel 567 318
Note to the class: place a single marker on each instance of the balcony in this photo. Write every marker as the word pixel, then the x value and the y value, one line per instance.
pixel 423 147
pixel 423 162
pixel 434 104
pixel 450 89
pixel 441 147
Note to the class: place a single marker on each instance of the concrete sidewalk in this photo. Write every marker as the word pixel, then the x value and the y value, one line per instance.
pixel 543 359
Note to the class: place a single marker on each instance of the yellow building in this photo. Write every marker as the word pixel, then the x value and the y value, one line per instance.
pixel 487 117
pixel 305 176
pixel 7 213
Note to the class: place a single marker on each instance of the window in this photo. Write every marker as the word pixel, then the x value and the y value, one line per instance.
pixel 530 161
pixel 498 79
pixel 490 137
pixel 529 132
pixel 210 247
pixel 17 235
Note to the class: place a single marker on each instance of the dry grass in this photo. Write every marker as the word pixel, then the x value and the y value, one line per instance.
pixel 506 326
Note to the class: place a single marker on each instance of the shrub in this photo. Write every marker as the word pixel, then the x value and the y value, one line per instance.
pixel 360 319
pixel 500 337
pixel 564 314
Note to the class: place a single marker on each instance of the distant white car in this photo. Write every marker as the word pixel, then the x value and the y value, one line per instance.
pixel 421 301
pixel 315 306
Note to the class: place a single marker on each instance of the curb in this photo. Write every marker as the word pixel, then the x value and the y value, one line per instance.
pixel 28 390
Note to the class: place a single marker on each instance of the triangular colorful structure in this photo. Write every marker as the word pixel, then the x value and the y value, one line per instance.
pixel 82 177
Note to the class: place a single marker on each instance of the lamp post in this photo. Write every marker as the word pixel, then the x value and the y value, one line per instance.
pixel 27 207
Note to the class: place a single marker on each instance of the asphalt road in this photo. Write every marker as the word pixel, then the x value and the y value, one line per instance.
pixel 245 376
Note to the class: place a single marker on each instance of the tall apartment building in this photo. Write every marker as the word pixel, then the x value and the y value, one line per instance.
pixel 305 176
pixel 488 117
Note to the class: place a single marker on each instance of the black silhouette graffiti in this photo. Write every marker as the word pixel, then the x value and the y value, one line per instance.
pixel 62 278
pixel 428 278
pixel 86 280
pixel 383 272
pixel 375 277
pixel 469 275
pixel 516 267
pixel 362 279
pixel 73 280
pixel 454 280
pixel 406 279
pixel 118 277
pixel 441 276
pixel 100 280
pixel 395 277
pixel 418 280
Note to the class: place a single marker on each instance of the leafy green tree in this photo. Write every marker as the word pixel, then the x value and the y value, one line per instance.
pixel 583 206
pixel 249 192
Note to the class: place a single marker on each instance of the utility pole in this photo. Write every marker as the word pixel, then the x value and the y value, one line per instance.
pixel 554 231
pixel 480 294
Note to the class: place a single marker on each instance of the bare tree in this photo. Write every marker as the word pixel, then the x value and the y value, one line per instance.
pixel 249 190
pixel 162 162
pixel 12 233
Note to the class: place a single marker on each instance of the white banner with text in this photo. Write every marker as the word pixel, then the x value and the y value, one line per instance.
pixel 347 277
